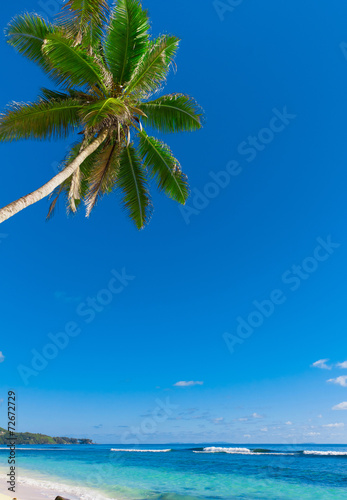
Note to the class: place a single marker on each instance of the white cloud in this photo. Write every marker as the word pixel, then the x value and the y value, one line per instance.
pixel 255 415
pixel 190 383
pixel 342 365
pixel 243 419
pixel 339 380
pixel 341 406
pixel 218 420
pixel 246 435
pixel 319 416
pixel 289 423
pixel 312 434
pixel 264 429
pixel 321 363
pixel 334 425
pixel 2 357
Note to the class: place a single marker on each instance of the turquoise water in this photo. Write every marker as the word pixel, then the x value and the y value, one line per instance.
pixel 186 472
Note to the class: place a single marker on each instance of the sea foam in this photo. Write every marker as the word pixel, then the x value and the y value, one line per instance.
pixel 239 451
pixel 325 453
pixel 140 451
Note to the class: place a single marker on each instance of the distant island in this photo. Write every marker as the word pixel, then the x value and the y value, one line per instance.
pixel 29 438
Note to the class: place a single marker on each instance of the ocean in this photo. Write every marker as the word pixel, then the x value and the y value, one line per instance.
pixel 185 472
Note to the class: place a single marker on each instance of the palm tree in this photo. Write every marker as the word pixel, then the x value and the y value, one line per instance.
pixel 107 70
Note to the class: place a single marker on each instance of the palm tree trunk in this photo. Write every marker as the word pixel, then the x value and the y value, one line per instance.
pixel 31 198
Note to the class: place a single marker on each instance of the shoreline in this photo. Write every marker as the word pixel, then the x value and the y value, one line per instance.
pixel 45 489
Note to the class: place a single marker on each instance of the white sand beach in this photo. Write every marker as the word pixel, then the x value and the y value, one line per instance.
pixel 33 492
pixel 27 492
pixel 30 489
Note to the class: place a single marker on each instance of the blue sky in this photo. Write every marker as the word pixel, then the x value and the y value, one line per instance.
pixel 272 78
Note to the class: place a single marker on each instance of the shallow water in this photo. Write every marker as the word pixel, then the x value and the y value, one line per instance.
pixel 179 472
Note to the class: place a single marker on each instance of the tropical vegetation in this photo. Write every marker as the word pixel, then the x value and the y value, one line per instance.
pixel 33 438
pixel 107 74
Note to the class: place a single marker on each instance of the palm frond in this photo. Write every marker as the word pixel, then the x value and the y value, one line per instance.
pixel 127 39
pixel 26 33
pixel 132 182
pixel 60 96
pixel 85 172
pixel 105 110
pixel 53 95
pixel 154 66
pixel 84 20
pixel 40 120
pixel 106 68
pixel 75 189
pixel 103 176
pixel 172 113
pixel 55 195
pixel 164 168
pixel 71 65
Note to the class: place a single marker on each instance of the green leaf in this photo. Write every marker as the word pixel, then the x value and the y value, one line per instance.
pixel 49 95
pixel 99 111
pixel 53 95
pixel 26 33
pixel 127 39
pixel 132 183
pixel 40 120
pixel 71 65
pixel 172 113
pixel 164 168
pixel 154 66
pixel 84 20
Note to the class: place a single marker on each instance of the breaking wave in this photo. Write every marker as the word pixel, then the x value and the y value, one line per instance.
pixel 326 453
pixel 240 451
pixel 215 449
pixel 140 451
